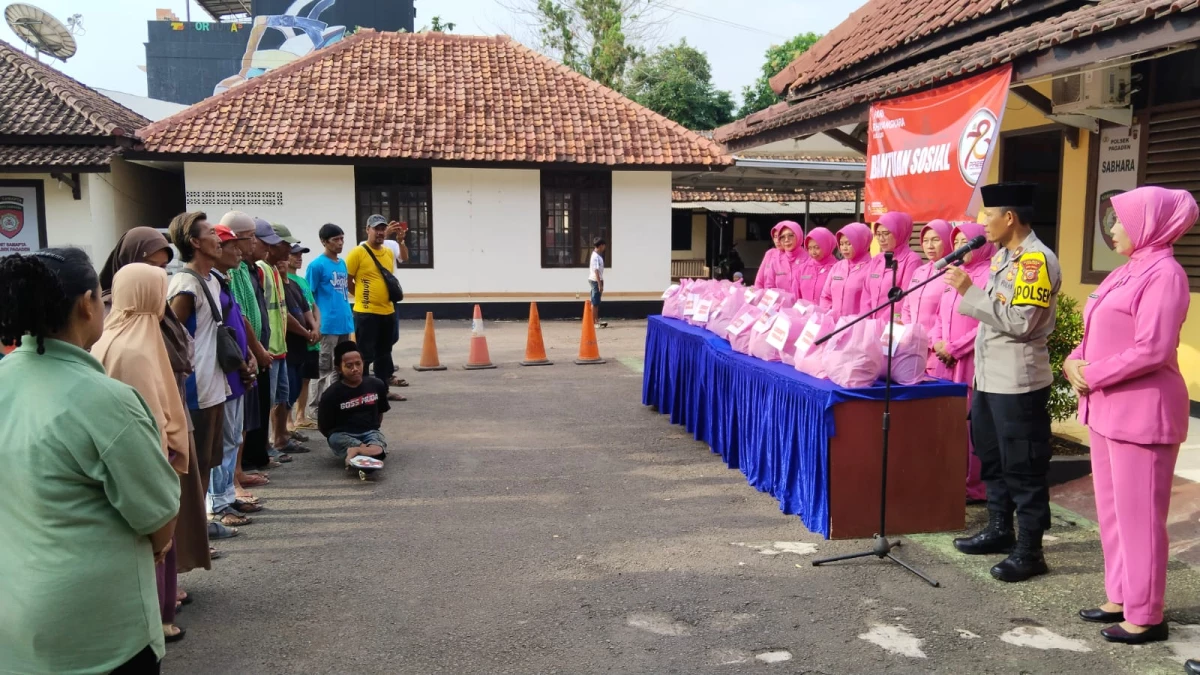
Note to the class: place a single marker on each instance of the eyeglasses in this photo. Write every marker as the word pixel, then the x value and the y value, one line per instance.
pixel 883 234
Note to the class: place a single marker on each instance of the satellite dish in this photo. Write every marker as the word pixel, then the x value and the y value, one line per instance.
pixel 38 29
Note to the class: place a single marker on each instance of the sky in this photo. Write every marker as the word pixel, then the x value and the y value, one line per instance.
pixel 734 33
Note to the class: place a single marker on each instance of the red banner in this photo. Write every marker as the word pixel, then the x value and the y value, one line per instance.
pixel 927 153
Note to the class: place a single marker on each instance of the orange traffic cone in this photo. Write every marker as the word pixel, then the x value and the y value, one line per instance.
pixel 429 351
pixel 589 351
pixel 478 359
pixel 535 349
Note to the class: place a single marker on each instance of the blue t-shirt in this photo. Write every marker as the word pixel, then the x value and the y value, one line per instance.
pixel 328 282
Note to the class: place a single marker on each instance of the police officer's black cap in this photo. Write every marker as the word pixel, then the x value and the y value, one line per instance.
pixel 1015 195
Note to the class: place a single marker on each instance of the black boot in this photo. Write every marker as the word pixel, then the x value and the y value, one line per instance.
pixel 996 537
pixel 1025 562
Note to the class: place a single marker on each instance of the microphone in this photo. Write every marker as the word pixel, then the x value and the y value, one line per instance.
pixel 956 257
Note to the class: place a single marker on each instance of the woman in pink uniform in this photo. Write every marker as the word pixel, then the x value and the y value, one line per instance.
pixel 1134 401
pixel 764 268
pixel 922 306
pixel 893 231
pixel 953 338
pixel 845 289
pixel 782 270
pixel 820 244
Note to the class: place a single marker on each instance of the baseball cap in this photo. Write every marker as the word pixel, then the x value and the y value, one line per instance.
pixel 297 248
pixel 285 234
pixel 224 233
pixel 329 231
pixel 376 221
pixel 264 232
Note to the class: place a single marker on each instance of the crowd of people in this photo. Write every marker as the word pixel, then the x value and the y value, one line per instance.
pixel 988 325
pixel 142 408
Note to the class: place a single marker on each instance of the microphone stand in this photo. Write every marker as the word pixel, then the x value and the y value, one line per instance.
pixel 883 547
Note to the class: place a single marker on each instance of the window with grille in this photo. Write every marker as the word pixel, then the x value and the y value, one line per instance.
pixel 576 208
pixel 402 195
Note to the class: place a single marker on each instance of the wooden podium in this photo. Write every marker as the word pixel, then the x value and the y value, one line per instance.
pixel 927 467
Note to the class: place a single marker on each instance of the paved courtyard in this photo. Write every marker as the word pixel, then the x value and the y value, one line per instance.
pixel 541 520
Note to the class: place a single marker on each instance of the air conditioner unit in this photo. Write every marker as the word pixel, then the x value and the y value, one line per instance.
pixel 1102 89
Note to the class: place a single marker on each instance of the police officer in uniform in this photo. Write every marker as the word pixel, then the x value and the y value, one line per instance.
pixel 1010 423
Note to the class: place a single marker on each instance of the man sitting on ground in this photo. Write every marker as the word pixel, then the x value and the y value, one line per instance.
pixel 351 409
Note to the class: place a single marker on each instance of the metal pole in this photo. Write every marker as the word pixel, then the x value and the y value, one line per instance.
pixel 807 203
pixel 857 202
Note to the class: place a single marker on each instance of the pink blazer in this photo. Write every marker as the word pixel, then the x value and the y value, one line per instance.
pixel 922 306
pixel 1131 327
pixel 879 279
pixel 956 330
pixel 765 269
pixel 845 288
pixel 810 281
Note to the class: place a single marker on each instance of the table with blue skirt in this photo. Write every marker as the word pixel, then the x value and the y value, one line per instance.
pixel 812 445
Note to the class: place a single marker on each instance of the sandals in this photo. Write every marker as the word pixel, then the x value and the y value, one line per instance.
pixel 176 636
pixel 398 382
pixel 255 480
pixel 231 520
pixel 308 425
pixel 393 396
pixel 217 530
pixel 247 507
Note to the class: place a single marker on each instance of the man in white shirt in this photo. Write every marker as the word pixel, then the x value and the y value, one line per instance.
pixel 596 279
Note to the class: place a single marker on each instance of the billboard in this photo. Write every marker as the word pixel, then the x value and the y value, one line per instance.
pixel 927 153
pixel 188 61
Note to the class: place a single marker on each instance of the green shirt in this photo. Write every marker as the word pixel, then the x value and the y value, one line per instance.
pixel 84 483
pixel 308 296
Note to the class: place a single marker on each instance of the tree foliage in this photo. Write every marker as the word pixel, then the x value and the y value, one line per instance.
pixel 597 38
pixel 438 27
pixel 759 95
pixel 676 82
pixel 1067 334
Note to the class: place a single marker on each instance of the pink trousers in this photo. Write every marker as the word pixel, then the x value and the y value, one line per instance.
pixel 1133 494
pixel 975 487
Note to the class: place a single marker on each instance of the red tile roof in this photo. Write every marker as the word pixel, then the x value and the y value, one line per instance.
pixel 877 27
pixel 775 197
pixel 976 57
pixel 430 96
pixel 52 156
pixel 37 100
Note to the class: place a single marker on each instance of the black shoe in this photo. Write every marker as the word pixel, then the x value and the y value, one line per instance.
pixel 1157 633
pixel 995 537
pixel 1025 562
pixel 1100 616
pixel 176 637
pixel 1192 667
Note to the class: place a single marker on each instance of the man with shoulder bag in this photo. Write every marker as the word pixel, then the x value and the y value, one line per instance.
pixel 375 291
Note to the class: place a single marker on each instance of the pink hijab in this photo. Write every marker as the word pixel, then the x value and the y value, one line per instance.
pixel 826 241
pixel 859 236
pixel 944 230
pixel 792 256
pixel 1155 217
pixel 900 224
pixel 980 257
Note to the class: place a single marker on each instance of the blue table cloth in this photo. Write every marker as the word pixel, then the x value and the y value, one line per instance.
pixel 767 419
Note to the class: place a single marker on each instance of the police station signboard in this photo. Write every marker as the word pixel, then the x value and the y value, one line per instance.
pixel 1117 172
pixel 21 229
pixel 927 153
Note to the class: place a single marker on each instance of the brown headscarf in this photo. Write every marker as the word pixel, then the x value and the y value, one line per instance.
pixel 132 351
pixel 133 247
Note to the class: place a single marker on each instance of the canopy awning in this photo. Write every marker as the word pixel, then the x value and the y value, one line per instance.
pixel 789 176
pixel 769 208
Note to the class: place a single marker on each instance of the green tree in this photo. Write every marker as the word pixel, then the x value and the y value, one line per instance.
pixel 438 27
pixel 597 38
pixel 759 95
pixel 676 82
pixel 1067 334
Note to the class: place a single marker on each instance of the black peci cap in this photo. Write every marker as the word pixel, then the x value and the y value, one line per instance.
pixel 329 231
pixel 1015 195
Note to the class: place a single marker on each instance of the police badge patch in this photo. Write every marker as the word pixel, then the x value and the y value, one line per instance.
pixel 12 215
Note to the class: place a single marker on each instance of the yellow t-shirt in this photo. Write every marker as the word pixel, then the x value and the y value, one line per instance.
pixel 370 292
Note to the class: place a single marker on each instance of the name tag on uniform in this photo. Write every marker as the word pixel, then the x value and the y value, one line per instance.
pixel 836 278
pixel 1094 295
pixel 874 276
pixel 806 276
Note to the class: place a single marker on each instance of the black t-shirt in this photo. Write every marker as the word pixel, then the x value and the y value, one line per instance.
pixel 297 345
pixel 352 410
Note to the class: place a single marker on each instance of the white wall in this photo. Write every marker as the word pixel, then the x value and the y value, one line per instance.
pixel 68 221
pixel 487 236
pixel 312 195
